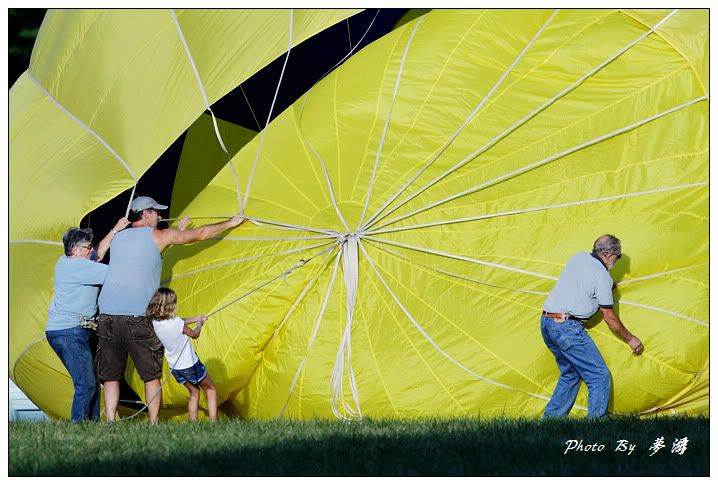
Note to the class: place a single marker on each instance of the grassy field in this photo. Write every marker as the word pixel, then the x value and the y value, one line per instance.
pixel 460 447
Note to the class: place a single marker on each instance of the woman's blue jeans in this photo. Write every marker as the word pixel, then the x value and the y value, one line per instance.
pixel 578 359
pixel 72 345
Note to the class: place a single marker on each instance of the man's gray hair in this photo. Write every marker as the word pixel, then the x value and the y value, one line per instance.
pixel 74 237
pixel 607 244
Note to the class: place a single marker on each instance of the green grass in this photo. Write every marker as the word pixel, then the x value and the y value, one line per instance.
pixel 469 447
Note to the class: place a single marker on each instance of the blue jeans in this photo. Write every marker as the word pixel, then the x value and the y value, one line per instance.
pixel 72 345
pixel 578 359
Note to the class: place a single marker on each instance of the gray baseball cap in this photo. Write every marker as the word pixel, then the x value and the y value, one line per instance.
pixel 142 203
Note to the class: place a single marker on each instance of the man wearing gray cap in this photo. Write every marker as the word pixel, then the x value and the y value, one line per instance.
pixel 132 278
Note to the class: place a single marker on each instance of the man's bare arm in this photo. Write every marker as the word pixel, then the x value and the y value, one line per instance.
pixel 167 237
pixel 104 245
pixel 617 327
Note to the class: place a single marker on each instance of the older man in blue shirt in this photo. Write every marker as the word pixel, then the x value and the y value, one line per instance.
pixel 583 287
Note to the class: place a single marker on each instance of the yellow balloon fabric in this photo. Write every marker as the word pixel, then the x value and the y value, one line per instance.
pixel 106 93
pixel 409 215
pixel 600 125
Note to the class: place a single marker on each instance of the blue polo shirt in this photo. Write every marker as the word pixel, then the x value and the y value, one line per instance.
pixel 76 286
pixel 583 287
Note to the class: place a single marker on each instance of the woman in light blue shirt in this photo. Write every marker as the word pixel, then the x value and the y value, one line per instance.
pixel 77 282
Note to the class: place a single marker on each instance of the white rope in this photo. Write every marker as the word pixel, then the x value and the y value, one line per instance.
pixel 328 180
pixel 528 117
pixel 291 227
pixel 656 275
pixel 298 238
pixel 311 147
pixel 303 293
pixel 271 108
pixel 284 274
pixel 34 241
pixel 171 219
pixel 264 224
pixel 162 385
pixel 433 343
pixel 218 135
pixel 539 275
pixel 242 260
pixel 83 125
pixel 129 204
pixel 534 209
pixel 313 337
pixel 200 84
pixel 456 275
pixel 546 160
pixel 337 382
pixel 655 408
pixel 37 341
pixel 191 60
pixel 388 118
pixel 351 51
pixel 259 127
pixel 663 310
pixel 461 258
pixel 464 124
pixel 350 262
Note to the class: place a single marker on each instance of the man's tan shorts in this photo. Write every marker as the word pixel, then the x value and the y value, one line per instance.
pixel 119 335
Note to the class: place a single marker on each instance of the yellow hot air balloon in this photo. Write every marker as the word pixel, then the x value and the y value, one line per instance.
pixel 106 93
pixel 413 210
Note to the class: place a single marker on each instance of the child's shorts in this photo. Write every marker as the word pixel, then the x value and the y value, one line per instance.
pixel 194 375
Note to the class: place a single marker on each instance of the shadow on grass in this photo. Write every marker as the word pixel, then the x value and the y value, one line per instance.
pixel 460 447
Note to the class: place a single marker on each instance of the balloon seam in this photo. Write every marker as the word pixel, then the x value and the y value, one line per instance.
pixel 471 116
pixel 535 209
pixel 435 345
pixel 271 108
pixel 313 336
pixel 462 258
pixel 546 160
pixel 284 274
pixel 388 118
pixel 82 124
pixel 523 120
pixel 430 91
pixel 34 241
pixel 190 58
pixel 241 260
pixel 297 120
pixel 301 296
pixel 469 336
pixel 463 277
pixel 679 51
pixel 376 364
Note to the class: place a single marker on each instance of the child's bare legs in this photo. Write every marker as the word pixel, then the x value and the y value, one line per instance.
pixel 193 403
pixel 211 391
